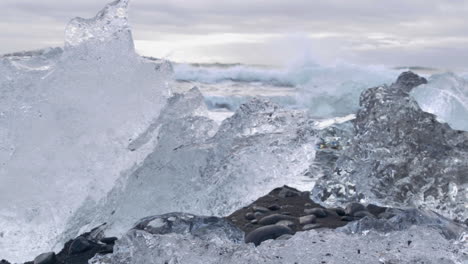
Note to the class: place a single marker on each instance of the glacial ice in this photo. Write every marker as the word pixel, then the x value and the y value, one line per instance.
pixel 399 156
pixel 199 168
pixel 66 118
pixel 446 96
pixel 414 245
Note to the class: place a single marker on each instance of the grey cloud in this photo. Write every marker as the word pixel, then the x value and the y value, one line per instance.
pixel 367 30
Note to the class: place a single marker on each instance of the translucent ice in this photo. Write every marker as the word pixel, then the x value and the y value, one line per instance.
pixel 446 96
pixel 415 245
pixel 109 26
pixel 400 156
pixel 65 128
pixel 394 219
pixel 198 168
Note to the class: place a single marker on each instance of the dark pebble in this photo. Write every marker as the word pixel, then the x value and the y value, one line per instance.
pixel 286 193
pixel 353 208
pixel 286 213
pixel 109 240
pixel 107 249
pixel 287 223
pixel 260 209
pixel 79 245
pixel 249 216
pixel 263 233
pixel 45 258
pixel 362 214
pixel 258 215
pixel 318 212
pixel 311 226
pixel 339 211
pixel 275 218
pixel 347 218
pixel 3 261
pixel 274 207
pixel 375 209
pixel 308 219
pixel 285 237
pixel 255 221
pixel 248 225
pixel 387 215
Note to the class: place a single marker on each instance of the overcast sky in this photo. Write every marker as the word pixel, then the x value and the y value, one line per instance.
pixel 395 33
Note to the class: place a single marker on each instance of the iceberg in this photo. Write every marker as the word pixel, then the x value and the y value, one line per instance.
pixel 66 119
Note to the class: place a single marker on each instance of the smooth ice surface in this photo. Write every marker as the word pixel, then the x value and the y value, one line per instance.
pixel 446 96
pixel 415 245
pixel 399 156
pixel 66 120
pixel 199 168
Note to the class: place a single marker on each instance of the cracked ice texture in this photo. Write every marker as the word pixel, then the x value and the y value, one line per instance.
pixel 446 96
pixel 199 168
pixel 110 25
pixel 400 156
pixel 66 120
pixel 414 245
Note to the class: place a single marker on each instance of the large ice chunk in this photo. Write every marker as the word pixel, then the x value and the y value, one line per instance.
pixel 65 128
pixel 198 168
pixel 400 156
pixel 446 96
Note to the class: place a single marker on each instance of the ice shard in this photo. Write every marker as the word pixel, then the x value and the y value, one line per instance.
pixel 400 156
pixel 66 120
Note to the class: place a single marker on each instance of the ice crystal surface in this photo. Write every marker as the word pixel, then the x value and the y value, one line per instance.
pixel 414 245
pixel 66 120
pixel 400 156
pixel 199 168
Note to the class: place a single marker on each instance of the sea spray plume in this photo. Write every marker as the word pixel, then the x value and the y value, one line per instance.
pixel 446 96
pixel 65 129
pixel 326 90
